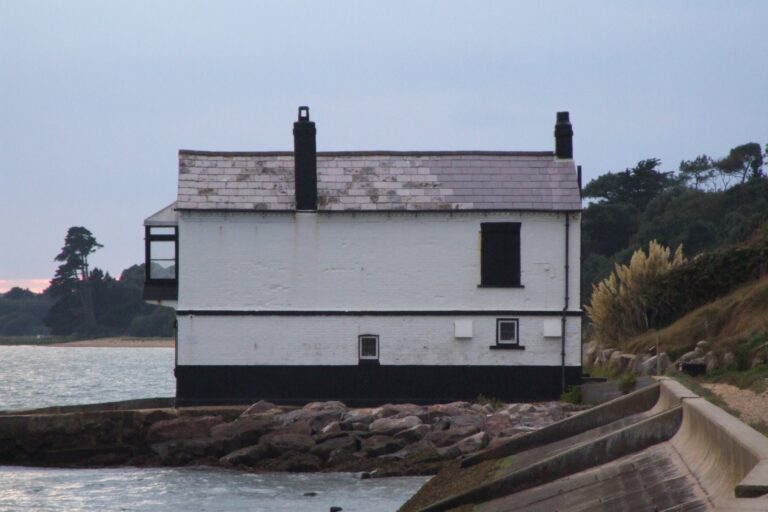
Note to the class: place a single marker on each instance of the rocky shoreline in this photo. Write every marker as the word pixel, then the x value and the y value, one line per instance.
pixel 390 440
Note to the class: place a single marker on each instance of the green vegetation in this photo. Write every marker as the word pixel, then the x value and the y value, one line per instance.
pixel 572 395
pixel 709 203
pixel 625 303
pixel 82 302
pixel 736 322
pixel 717 209
pixel 493 402
pixel 22 313
pixel 627 382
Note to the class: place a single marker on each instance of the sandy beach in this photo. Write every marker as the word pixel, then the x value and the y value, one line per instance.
pixel 120 342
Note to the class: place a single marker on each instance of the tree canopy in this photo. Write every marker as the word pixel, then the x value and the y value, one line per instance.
pixel 635 186
pixel 710 202
pixel 79 243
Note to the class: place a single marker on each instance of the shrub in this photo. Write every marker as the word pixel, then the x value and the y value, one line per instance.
pixel 624 304
pixel 572 395
pixel 493 402
pixel 157 323
pixel 627 382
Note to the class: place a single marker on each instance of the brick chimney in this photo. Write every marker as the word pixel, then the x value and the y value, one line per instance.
pixel 305 161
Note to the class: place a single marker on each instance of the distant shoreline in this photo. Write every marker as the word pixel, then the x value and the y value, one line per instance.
pixel 118 342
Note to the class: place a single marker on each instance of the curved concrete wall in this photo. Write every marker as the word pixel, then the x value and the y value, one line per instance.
pixel 728 457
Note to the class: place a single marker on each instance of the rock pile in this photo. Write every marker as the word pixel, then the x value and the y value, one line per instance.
pixel 394 439
pixel 699 360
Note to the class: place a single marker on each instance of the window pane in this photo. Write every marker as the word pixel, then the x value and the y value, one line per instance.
pixel 162 250
pixel 162 269
pixel 162 230
pixel 500 254
pixel 368 346
pixel 507 331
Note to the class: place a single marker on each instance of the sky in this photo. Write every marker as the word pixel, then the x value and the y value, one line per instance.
pixel 96 98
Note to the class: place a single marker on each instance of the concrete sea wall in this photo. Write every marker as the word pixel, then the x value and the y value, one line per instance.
pixel 658 448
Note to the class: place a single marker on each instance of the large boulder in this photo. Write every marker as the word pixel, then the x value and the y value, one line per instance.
pixel 649 367
pixel 245 430
pixel 603 356
pixel 295 462
pixel 247 456
pixel 499 424
pixel 473 443
pixel 381 445
pixel 324 406
pixel 446 410
pixel 358 419
pixel 402 410
pixel 710 359
pixel 589 353
pixel 259 407
pixel 450 436
pixel 413 434
pixel 347 443
pixel 392 425
pixel 185 427
pixel 316 414
pixel 284 442
pixel 620 361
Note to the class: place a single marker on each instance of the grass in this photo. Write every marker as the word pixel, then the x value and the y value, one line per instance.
pixel 727 323
pixel 753 379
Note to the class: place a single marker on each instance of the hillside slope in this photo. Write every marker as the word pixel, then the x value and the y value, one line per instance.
pixel 736 322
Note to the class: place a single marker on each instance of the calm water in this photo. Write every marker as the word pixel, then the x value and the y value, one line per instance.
pixel 43 376
pixel 192 490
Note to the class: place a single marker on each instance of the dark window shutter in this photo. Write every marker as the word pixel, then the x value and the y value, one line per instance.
pixel 500 259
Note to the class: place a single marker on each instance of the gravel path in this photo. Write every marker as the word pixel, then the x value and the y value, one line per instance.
pixel 752 407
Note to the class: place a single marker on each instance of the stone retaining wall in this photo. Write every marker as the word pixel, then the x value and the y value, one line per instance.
pixel 401 439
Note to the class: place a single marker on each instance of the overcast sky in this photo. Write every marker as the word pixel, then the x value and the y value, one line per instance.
pixel 96 98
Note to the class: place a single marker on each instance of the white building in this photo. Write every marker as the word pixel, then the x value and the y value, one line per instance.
pixel 371 276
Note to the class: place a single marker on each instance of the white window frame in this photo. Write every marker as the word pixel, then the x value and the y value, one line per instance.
pixel 507 343
pixel 360 347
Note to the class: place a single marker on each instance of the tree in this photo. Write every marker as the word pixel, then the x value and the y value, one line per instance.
pixel 636 186
pixel 73 275
pixel 745 161
pixel 698 171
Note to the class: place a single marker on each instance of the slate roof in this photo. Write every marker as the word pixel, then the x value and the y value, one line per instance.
pixel 370 181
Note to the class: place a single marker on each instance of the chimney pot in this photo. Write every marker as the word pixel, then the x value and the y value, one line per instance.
pixel 563 136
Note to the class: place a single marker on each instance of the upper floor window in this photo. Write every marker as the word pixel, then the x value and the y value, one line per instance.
pixel 161 257
pixel 500 254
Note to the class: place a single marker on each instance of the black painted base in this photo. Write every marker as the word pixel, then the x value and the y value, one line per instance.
pixel 368 385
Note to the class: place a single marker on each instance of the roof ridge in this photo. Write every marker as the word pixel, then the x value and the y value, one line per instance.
pixel 372 153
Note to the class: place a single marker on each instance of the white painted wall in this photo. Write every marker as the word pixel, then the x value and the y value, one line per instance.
pixel 332 340
pixel 368 261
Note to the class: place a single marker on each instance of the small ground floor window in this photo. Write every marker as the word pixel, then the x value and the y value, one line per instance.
pixel 368 347
pixel 508 333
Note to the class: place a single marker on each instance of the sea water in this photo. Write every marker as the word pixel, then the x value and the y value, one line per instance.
pixel 196 489
pixel 44 376
pixel 40 376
